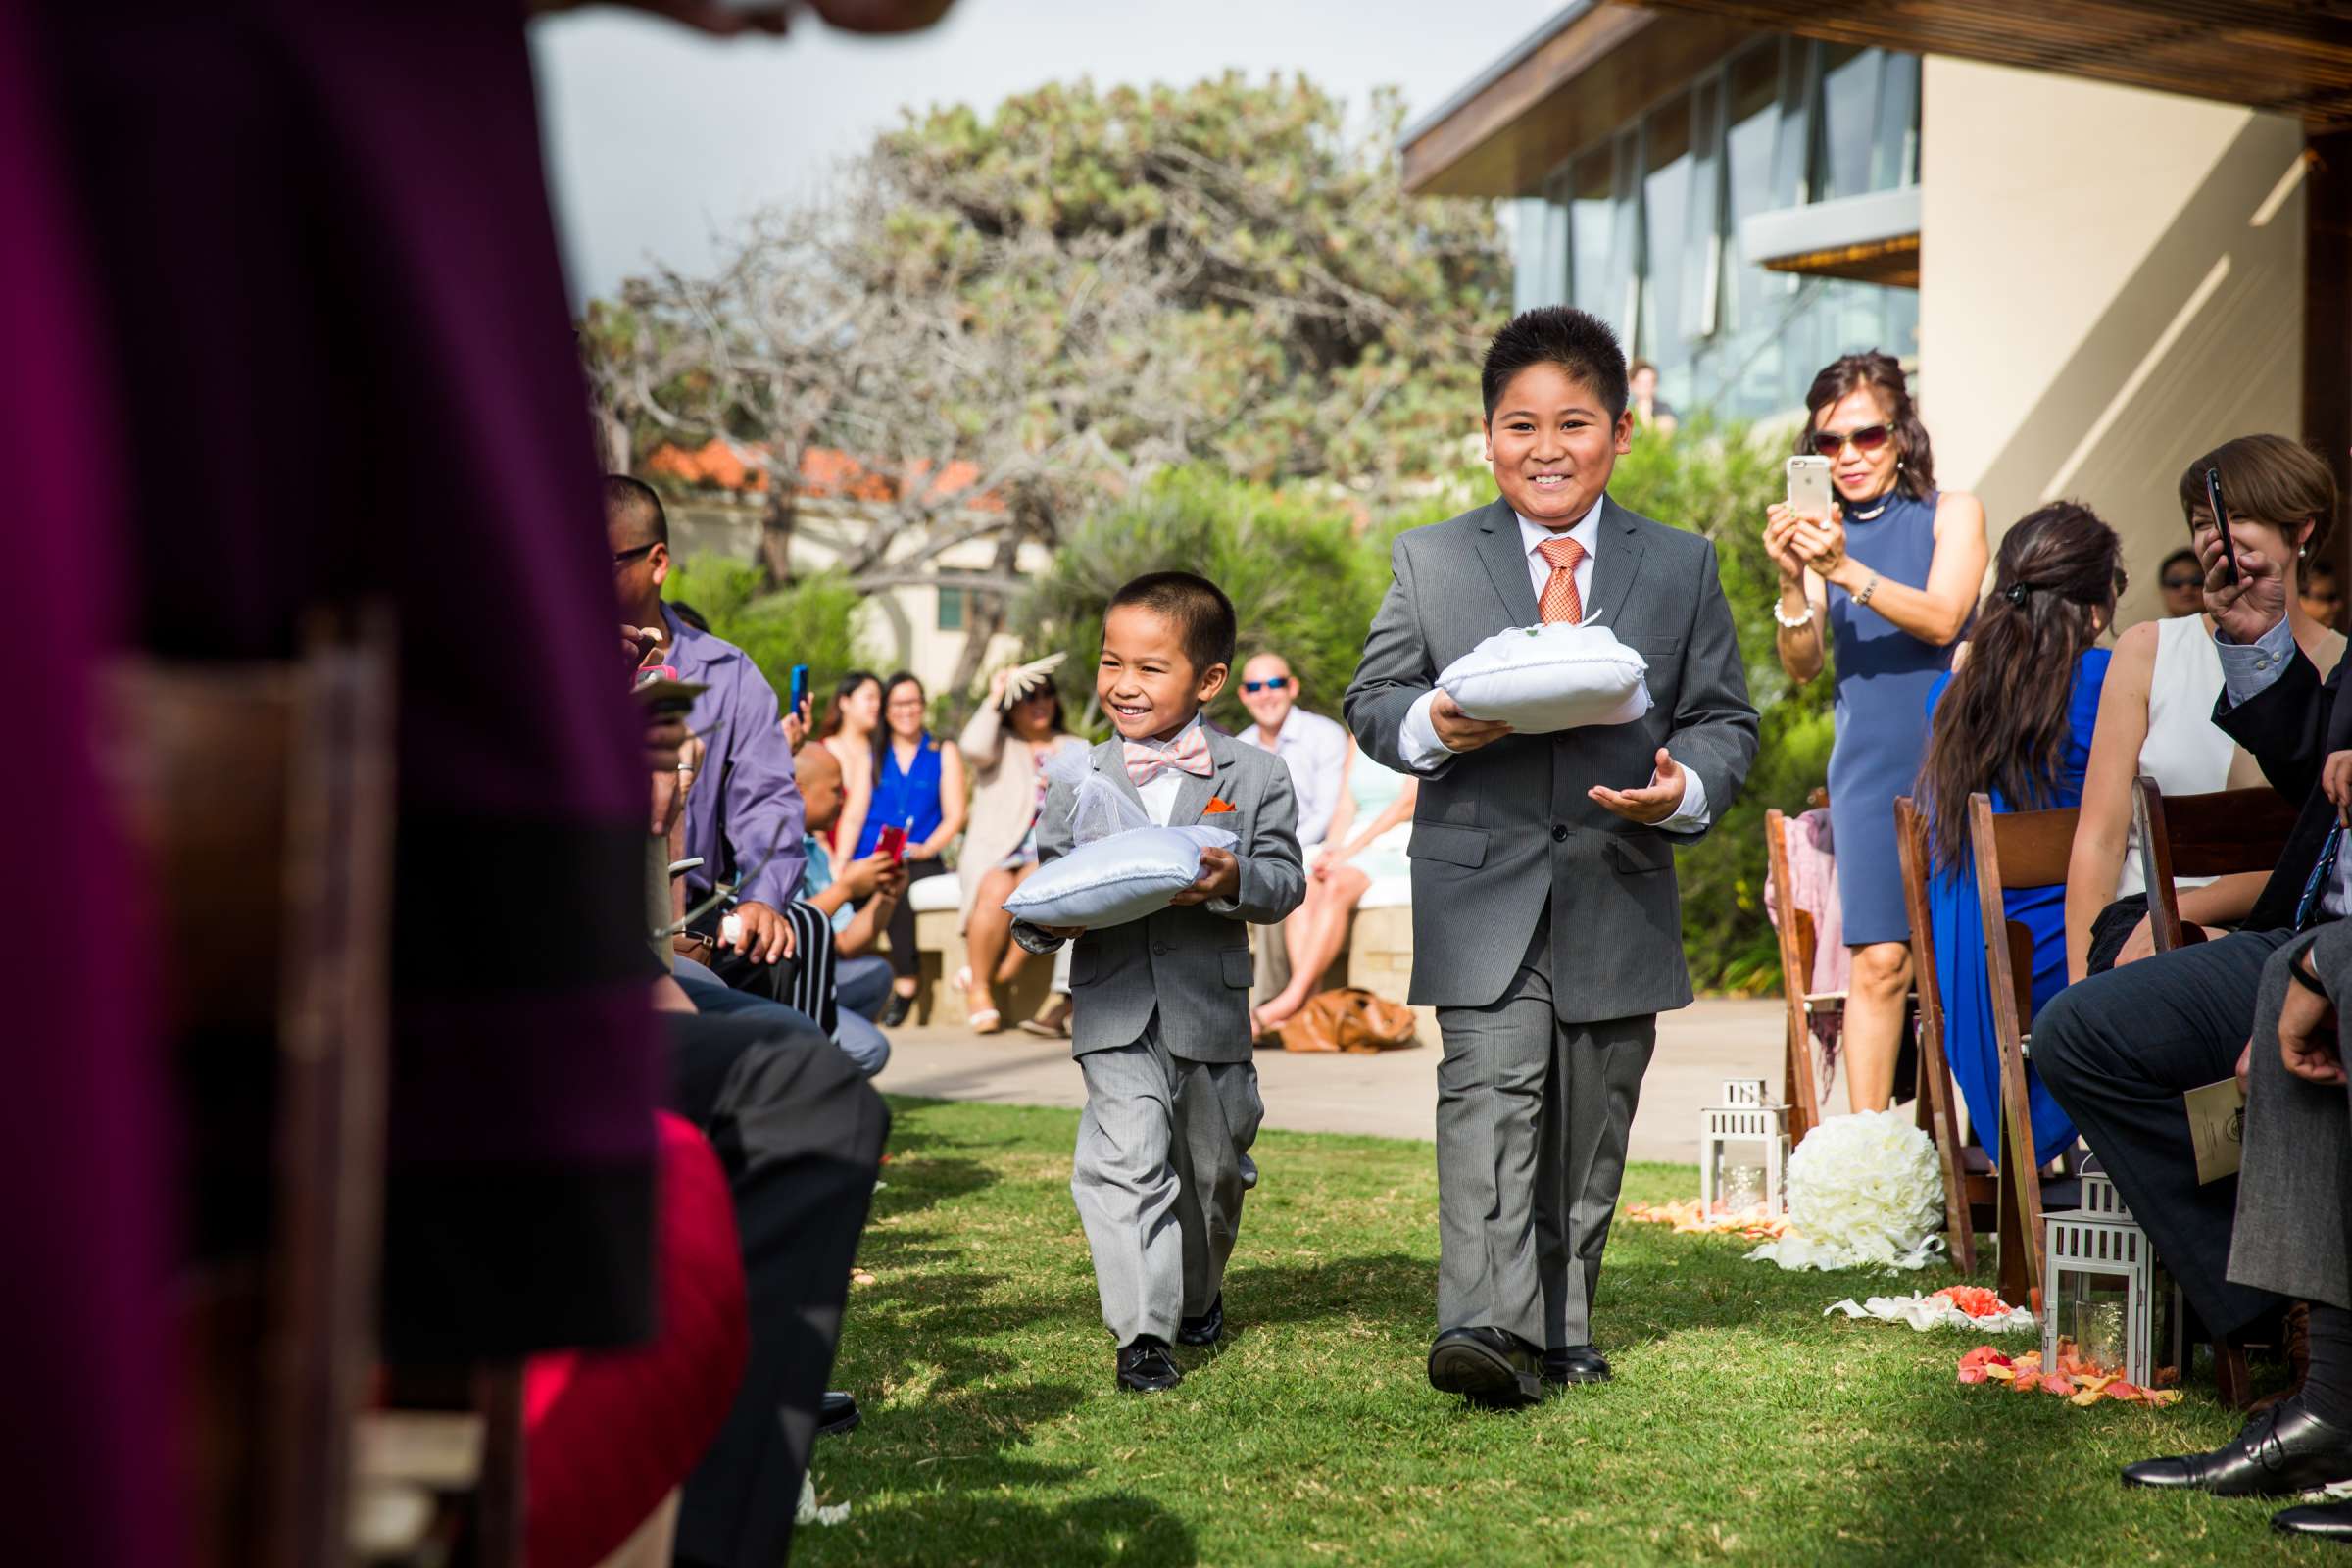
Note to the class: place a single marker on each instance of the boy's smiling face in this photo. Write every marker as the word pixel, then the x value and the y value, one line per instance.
pixel 1552 444
pixel 1145 680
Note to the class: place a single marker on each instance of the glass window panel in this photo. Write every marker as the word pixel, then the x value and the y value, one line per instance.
pixel 1702 242
pixel 1540 253
pixel 1792 140
pixel 1850 103
pixel 951 609
pixel 1748 145
pixel 1894 143
pixel 1665 219
pixel 1592 235
pixel 1624 281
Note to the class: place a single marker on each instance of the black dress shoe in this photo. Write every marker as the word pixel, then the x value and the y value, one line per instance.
pixel 838 1413
pixel 1208 1328
pixel 1577 1363
pixel 2283 1450
pixel 895 1013
pixel 1146 1368
pixel 2328 1521
pixel 1494 1368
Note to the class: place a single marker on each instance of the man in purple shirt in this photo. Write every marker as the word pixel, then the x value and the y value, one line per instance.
pixel 742 814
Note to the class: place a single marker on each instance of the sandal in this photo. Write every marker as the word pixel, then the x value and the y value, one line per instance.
pixel 988 1021
pixel 1052 1024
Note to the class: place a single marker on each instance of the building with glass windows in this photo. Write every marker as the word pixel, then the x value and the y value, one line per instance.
pixel 1655 225
pixel 2104 242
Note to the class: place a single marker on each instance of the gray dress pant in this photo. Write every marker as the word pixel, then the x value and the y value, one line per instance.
pixel 2290 1238
pixel 1532 1118
pixel 1162 1161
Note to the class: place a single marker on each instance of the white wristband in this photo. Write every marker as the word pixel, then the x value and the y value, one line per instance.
pixel 1799 623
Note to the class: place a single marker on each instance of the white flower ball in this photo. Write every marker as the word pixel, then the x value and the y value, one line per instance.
pixel 1867 1189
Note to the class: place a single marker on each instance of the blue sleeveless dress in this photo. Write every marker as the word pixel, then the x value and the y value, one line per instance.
pixel 907 798
pixel 1959 923
pixel 1883 674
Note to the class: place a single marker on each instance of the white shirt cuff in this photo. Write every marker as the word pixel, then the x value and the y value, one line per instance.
pixel 1692 814
pixel 2249 669
pixel 1417 738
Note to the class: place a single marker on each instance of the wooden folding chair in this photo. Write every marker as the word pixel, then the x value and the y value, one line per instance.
pixel 2218 834
pixel 2016 850
pixel 1936 1102
pixel 262 796
pixel 1801 1088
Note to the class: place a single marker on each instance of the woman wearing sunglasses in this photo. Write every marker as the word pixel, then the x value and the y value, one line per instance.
pixel 1892 576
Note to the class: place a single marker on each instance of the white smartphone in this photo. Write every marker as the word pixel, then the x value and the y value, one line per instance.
pixel 1809 486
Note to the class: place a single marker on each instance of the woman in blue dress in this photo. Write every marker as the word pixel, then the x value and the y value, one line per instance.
pixel 1893 574
pixel 918 789
pixel 2000 724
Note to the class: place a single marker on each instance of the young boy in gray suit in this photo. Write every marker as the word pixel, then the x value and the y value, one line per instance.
pixel 1160 1025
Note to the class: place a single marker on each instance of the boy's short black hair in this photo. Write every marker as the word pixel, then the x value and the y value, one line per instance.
pixel 1204 615
pixel 1578 343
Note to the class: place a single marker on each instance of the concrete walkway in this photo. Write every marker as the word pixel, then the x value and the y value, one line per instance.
pixel 1393 1095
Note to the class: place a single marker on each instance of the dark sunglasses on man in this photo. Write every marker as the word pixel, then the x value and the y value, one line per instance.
pixel 1279 683
pixel 2178 581
pixel 1871 437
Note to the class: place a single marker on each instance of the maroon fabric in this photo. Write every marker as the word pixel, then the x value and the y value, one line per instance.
pixel 610 1434
pixel 82 1156
pixel 320 240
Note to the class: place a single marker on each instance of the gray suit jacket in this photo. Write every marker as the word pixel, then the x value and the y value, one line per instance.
pixel 1191 965
pixel 1503 833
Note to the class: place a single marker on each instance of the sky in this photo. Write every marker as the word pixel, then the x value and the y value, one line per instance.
pixel 658 138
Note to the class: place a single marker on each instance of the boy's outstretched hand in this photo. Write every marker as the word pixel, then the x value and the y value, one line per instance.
pixel 1220 878
pixel 1652 804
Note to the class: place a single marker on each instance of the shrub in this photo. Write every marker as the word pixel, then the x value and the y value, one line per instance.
pixel 813 620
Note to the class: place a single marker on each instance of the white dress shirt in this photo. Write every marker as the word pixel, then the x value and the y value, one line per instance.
pixel 1418 736
pixel 1315 750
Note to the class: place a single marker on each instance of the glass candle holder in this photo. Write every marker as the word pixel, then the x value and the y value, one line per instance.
pixel 1743 1188
pixel 2099 1334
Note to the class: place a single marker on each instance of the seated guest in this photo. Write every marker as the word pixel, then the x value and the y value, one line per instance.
pixel 1321 757
pixel 2290 1236
pixel 2321 594
pixel 1339 876
pixel 1005 746
pixel 852 718
pixel 2183 582
pixel 2119 1050
pixel 748 829
pixel 2156 717
pixel 2001 723
pixel 918 788
pixel 860 975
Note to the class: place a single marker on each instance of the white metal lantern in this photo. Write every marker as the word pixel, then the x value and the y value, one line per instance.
pixel 1748 1115
pixel 2101 1287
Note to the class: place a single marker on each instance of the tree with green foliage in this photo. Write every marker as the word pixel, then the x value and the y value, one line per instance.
pixel 1050 303
pixel 812 621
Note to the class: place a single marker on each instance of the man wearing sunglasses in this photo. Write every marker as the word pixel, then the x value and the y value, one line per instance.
pixel 1314 747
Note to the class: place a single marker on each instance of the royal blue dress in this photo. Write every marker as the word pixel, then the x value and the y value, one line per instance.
pixel 1958 922
pixel 1883 673
pixel 904 797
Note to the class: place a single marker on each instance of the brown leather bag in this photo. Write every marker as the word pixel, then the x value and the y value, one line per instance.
pixel 1349 1018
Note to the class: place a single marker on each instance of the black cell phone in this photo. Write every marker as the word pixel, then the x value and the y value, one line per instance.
pixel 2221 521
pixel 799 687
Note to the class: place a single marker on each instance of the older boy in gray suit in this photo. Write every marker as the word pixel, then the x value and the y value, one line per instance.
pixel 1546 922
pixel 1160 1025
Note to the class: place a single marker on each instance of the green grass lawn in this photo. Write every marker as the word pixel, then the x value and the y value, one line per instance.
pixel 1743 1425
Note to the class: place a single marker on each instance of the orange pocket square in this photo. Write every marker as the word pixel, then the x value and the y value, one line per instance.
pixel 1215 807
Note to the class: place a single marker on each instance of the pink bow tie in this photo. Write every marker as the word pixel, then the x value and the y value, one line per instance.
pixel 1188 753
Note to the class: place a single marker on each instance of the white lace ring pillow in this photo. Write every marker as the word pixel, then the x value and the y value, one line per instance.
pixel 1539 679
pixel 1113 880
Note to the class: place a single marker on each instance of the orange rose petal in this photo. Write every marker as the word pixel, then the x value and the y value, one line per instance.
pixel 2160 1398
pixel 2058 1383
pixel 2086 1398
pixel 2030 1361
pixel 2001 1373
pixel 2026 1382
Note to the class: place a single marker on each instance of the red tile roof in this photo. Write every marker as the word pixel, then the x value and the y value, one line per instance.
pixel 824 473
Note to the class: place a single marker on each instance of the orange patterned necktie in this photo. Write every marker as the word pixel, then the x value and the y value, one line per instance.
pixel 1560 602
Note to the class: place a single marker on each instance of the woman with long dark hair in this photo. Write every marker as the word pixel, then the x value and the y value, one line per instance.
pixel 851 721
pixel 1893 574
pixel 2014 719
pixel 919 787
pixel 1005 746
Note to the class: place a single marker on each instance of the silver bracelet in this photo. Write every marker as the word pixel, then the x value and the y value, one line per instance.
pixel 1868 588
pixel 1799 623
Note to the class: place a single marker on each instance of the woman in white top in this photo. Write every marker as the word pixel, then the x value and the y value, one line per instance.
pixel 2156 717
